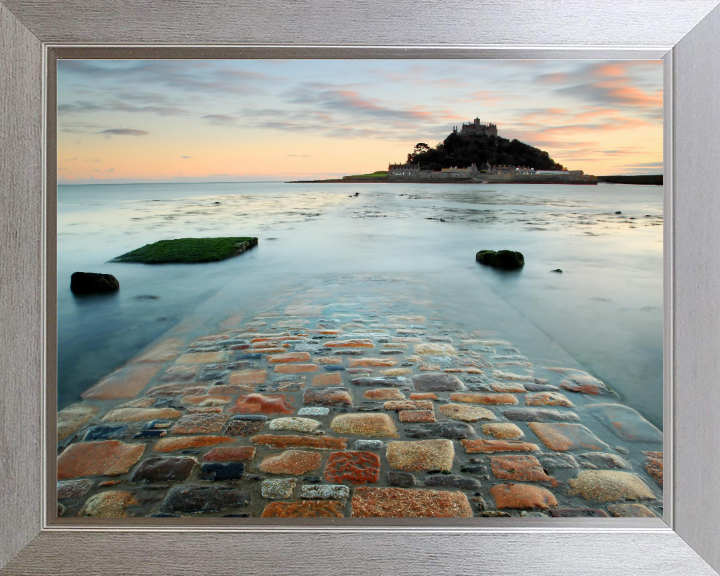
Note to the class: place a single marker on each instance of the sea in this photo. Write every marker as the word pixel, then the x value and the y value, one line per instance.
pixel 589 296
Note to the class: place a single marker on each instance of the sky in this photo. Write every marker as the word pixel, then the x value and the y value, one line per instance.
pixel 257 120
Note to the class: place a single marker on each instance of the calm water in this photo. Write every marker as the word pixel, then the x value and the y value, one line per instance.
pixel 603 313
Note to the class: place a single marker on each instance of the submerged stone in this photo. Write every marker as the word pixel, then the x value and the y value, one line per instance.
pixel 278 488
pixel 190 498
pixel 164 469
pixel 609 486
pixel 508 259
pixel 108 458
pixel 222 470
pixel 451 430
pixel 452 481
pixel 72 418
pixel 465 413
pixel 420 455
pixel 293 462
pixel 540 415
pixel 377 425
pixel 405 502
pixel 626 423
pixel 353 467
pixel 503 430
pixel 107 432
pixel 324 492
pixel 109 504
pixel 562 437
pixel 304 509
pixel 522 497
pixel 401 479
pixel 440 382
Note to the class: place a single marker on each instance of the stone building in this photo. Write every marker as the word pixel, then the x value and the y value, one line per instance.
pixel 474 128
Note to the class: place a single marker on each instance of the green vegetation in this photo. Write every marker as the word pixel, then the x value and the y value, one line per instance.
pixel 462 151
pixel 647 179
pixel 374 175
pixel 500 259
pixel 189 250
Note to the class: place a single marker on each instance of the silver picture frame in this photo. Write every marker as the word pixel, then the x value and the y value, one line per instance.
pixel 684 33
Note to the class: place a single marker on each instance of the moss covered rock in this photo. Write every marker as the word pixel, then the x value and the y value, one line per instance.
pixel 189 250
pixel 501 258
pixel 92 283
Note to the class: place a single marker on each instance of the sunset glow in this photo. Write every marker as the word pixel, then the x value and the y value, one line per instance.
pixel 247 120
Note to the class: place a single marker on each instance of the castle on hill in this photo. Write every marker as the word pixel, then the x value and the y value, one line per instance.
pixel 474 128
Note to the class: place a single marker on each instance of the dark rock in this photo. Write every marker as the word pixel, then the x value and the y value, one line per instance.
pixel 73 488
pixel 369 407
pixel 501 259
pixel 401 479
pixel 150 434
pixel 540 415
pixel 107 432
pixel 475 469
pixel 198 498
pixel 452 481
pixel 92 283
pixel 557 270
pixel 439 339
pixel 450 430
pixel 347 352
pixel 327 396
pixel 223 470
pixel 388 352
pixel 212 375
pixel 603 460
pixel 248 357
pixel 312 480
pixel 558 461
pixel 535 387
pixel 164 469
pixel 437 382
pixel 578 513
pixel 244 365
pixel 618 212
pixel 245 424
pixel 384 382
pixel 334 368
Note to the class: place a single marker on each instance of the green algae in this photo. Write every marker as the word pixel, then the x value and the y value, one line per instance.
pixel 189 250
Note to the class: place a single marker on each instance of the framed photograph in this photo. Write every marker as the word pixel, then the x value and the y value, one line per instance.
pixel 297 290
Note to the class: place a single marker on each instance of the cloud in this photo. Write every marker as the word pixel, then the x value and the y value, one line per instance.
pixel 71 159
pixel 297 155
pixel 123 132
pixel 83 107
pixel 185 157
pixel 220 119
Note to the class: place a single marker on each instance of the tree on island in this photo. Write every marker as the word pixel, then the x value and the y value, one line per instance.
pixel 464 150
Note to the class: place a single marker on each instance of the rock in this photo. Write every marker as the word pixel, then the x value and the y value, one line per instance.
pixel 206 400
pixel 357 343
pixel 245 424
pixel 404 502
pixel 626 423
pixel 609 486
pixel 435 348
pixel 93 283
pixel 328 396
pixel 293 462
pixel 603 460
pixel 423 396
pixel 466 413
pixel 190 498
pixel 386 381
pixel 369 444
pixel 557 270
pixel 109 504
pixel 540 415
pixel 289 357
pixel 278 489
pixel 578 513
pixel 185 442
pixel 537 387
pixel 229 454
pixel 451 430
pixel 503 431
pixel 558 461
pixel 107 432
pixel 401 479
pixel 416 416
pixel 583 383
pixel 327 379
pixel 562 437
pixel 452 481
pixel 512 387
pixel 294 423
pixel 174 390
pixel 375 425
pixel 500 259
pixel 304 509
pixel 548 399
pixel 73 489
pixel 202 423
pixel 408 405
pixel 288 441
pixel 520 468
pixel 222 470
pixel 631 511
pixel 522 497
pixel 163 469
pixel 489 446
pixel 371 362
pixel 248 377
pixel 140 414
pixel 108 458
pixel 654 465
pixel 353 467
pixel 296 368
pixel 420 455
pixel 313 411
pixel 72 418
pixel 479 398
pixel 439 382
pixel 325 492
pixel 204 357
pixel 384 394
pixel 123 384
pixel 263 404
